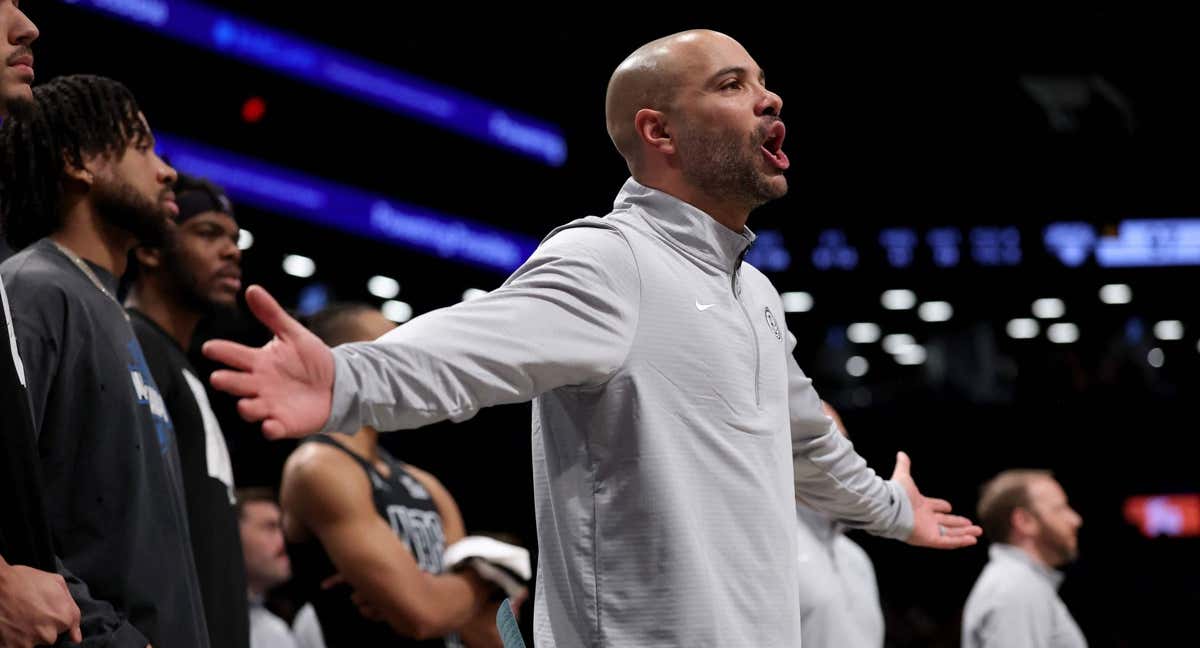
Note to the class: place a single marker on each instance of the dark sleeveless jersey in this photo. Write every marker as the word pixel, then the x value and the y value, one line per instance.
pixel 401 500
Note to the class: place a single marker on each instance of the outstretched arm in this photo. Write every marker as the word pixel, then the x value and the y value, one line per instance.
pixel 566 317
pixel 831 477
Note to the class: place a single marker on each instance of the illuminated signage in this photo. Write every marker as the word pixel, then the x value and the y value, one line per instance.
pixel 353 210
pixel 341 72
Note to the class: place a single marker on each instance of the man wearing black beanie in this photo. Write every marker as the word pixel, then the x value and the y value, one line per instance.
pixel 196 271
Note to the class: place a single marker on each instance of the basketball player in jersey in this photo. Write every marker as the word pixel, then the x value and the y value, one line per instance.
pixel 355 515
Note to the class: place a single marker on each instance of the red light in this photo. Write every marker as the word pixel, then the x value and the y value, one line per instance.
pixel 253 110
pixel 1170 515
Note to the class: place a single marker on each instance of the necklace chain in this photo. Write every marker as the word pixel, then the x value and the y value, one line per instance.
pixel 87 270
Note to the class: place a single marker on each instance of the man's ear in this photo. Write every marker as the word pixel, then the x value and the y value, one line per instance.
pixel 148 257
pixel 652 129
pixel 82 174
pixel 1024 521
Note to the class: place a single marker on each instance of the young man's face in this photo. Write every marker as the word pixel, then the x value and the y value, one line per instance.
pixel 204 261
pixel 267 563
pixel 132 191
pixel 17 32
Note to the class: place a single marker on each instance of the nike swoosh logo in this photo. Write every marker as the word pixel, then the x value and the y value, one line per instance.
pixel 703 307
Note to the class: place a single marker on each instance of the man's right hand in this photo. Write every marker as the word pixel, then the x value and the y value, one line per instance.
pixel 35 608
pixel 287 383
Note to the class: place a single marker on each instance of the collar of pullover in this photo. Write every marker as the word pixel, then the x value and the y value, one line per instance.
pixel 1006 553
pixel 688 229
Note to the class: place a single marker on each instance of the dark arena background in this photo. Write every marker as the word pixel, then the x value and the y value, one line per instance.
pixel 989 252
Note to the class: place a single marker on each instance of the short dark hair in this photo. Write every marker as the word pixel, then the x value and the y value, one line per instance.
pixel 72 117
pixel 254 494
pixel 335 324
pixel 1002 495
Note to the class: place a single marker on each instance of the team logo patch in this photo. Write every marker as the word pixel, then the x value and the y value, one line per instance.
pixel 771 324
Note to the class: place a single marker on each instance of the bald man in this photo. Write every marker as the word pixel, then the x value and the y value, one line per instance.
pixel 672 428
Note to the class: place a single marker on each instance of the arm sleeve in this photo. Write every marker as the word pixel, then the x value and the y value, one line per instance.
pixel 830 476
pixel 566 317
pixel 102 626
pixel 39 355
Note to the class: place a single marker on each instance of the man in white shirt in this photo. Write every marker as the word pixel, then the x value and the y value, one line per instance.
pixel 267 564
pixel 1015 602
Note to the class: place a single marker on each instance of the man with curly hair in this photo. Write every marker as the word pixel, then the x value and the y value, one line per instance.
pixel 83 186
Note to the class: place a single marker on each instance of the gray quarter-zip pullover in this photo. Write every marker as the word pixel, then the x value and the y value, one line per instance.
pixel 1015 604
pixel 671 426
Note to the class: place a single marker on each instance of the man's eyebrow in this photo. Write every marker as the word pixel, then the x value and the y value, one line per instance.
pixel 738 70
